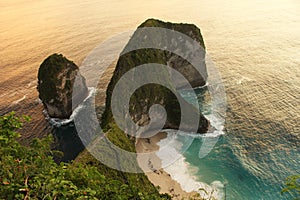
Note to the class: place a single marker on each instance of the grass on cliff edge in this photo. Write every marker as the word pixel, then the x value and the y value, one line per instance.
pixel 118 138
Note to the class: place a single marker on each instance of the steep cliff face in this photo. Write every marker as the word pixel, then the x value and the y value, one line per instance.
pixel 150 94
pixel 179 45
pixel 56 79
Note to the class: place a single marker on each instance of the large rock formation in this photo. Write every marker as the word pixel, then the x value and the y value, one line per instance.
pixel 148 95
pixel 56 79
pixel 179 45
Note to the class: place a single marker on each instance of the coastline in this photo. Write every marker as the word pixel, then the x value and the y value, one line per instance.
pixel 150 163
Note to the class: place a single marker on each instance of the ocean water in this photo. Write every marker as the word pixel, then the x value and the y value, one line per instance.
pixel 232 170
pixel 254 44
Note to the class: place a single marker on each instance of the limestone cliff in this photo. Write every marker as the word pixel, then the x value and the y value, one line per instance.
pixel 148 95
pixel 173 60
pixel 56 79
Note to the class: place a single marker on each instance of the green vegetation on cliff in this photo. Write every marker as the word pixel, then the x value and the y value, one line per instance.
pixel 31 173
pixel 180 27
pixel 133 180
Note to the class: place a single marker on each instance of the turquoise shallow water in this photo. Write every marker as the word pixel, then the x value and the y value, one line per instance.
pixel 224 165
pixel 240 160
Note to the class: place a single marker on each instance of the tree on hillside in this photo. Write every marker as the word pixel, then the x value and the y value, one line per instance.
pixel 31 173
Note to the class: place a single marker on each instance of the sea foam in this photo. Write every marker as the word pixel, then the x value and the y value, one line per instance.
pixel 62 122
pixel 173 162
pixel 181 171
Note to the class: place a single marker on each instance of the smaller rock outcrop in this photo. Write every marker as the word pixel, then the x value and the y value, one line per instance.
pixel 56 79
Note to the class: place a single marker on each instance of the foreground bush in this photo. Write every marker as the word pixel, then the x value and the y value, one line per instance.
pixel 31 173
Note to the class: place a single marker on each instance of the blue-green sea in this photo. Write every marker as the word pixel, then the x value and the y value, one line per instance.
pixel 251 159
pixel 241 179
